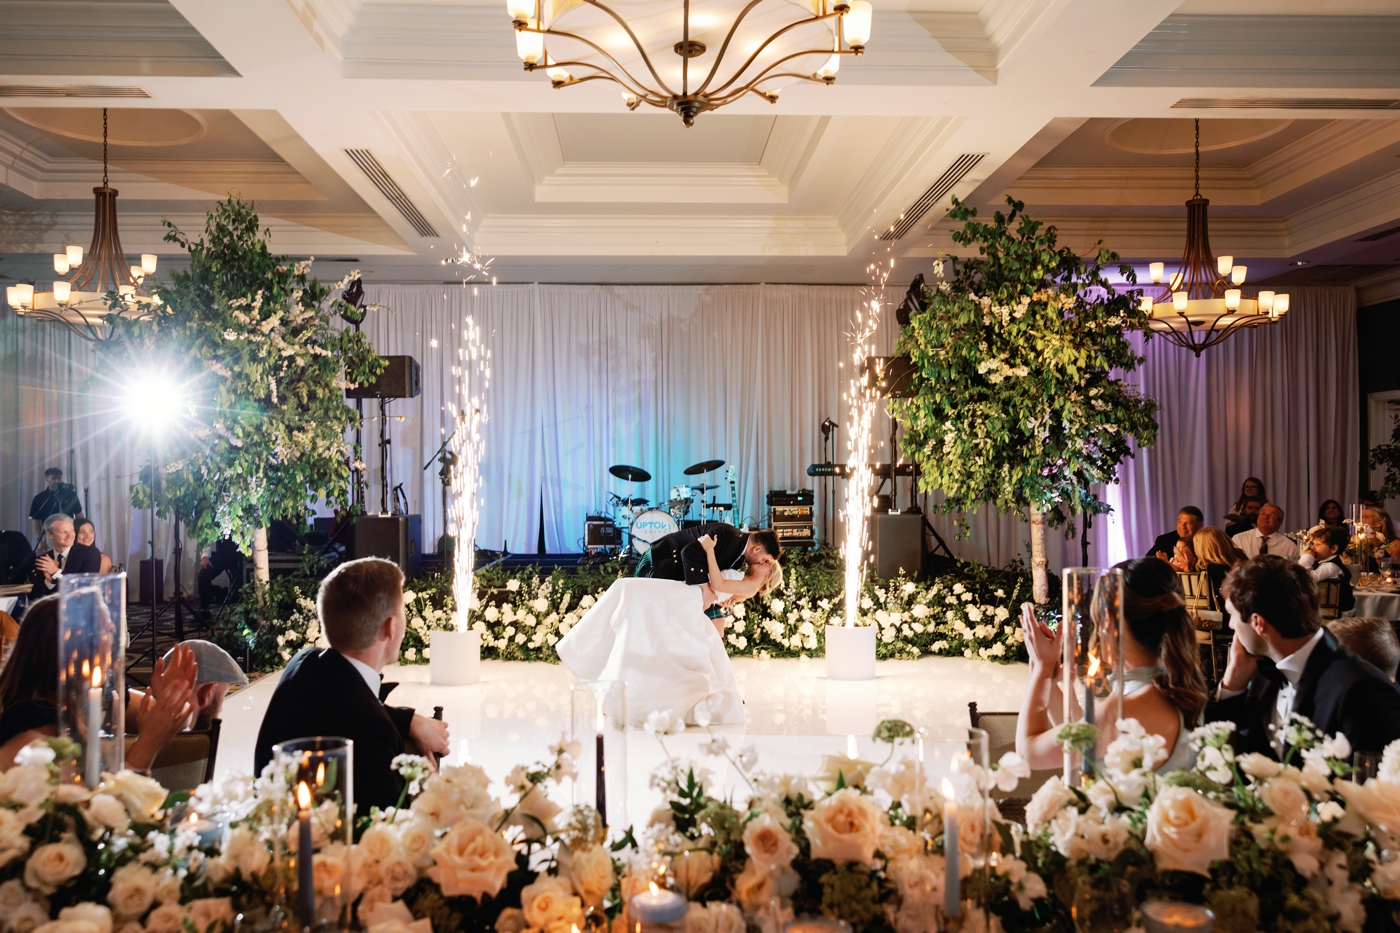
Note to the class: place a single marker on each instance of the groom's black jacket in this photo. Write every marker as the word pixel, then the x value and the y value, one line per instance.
pixel 678 556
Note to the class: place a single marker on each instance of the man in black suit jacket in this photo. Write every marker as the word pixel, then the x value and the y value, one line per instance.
pixel 336 691
pixel 66 557
pixel 1188 521
pixel 678 556
pixel 1282 662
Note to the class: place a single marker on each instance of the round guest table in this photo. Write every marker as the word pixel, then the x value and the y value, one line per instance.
pixel 1380 601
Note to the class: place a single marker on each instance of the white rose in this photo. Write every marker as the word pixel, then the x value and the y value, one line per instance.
pixel 768 843
pixel 591 872
pixel 29 787
pixel 1186 831
pixel 109 811
pixel 417 839
pixel 550 903
pixel 1258 766
pixel 471 861
pixel 54 864
pixel 844 827
pixel 714 917
pixel 1049 800
pixel 141 795
pixel 133 890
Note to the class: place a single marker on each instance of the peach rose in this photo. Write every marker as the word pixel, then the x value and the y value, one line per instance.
pixel 844 827
pixel 1187 832
pixel 1285 797
pixel 133 890
pixel 211 913
pixel 549 902
pixel 167 918
pixel 768 843
pixel 591 872
pixel 54 864
pixel 471 861
pixel 1376 802
pixel 693 869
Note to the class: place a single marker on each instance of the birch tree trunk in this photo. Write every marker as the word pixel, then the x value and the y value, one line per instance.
pixel 1040 584
pixel 260 571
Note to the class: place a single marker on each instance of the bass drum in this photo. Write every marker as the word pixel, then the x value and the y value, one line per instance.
pixel 650 526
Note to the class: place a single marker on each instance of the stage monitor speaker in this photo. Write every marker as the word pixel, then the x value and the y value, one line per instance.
pixel 891 376
pixel 398 538
pixel 401 379
pixel 144 588
pixel 898 545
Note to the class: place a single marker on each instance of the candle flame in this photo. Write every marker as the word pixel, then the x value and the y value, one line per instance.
pixel 86 670
pixel 654 888
pixel 303 795
pixel 1093 670
pixel 194 817
pixel 948 791
pixel 321 774
pixel 97 676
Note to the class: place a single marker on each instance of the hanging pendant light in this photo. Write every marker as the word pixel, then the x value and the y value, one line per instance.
pixel 1201 304
pixel 84 303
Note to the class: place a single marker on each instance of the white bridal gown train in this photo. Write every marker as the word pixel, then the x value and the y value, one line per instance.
pixel 654 636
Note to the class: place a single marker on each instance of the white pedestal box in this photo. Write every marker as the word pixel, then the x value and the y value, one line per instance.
pixel 850 652
pixel 456 658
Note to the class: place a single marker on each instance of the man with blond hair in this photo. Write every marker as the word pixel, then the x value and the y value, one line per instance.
pixel 337 690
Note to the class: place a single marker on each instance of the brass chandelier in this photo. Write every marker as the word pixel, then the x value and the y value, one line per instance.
pixel 85 302
pixel 771 37
pixel 1202 304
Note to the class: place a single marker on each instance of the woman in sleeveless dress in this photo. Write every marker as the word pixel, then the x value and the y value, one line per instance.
pixel 1164 689
pixel 654 636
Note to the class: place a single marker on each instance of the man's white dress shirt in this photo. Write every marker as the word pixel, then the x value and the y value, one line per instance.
pixel 1253 544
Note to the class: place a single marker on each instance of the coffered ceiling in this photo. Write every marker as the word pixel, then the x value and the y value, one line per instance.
pixel 395 133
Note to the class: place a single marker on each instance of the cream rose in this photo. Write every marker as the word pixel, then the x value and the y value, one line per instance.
pixel 471 861
pixel 1186 831
pixel 167 918
pixel 1376 802
pixel 417 839
pixel 141 795
pixel 88 912
pixel 168 888
pixel 896 843
pixel 1285 797
pixel 53 864
pixel 535 814
pixel 550 901
pixel 844 827
pixel 28 787
pixel 109 811
pixel 693 869
pixel 26 918
pixel 13 841
pixel 511 920
pixel 133 891
pixel 398 874
pixel 591 872
pixel 210 914
pixel 379 842
pixel 768 843
pixel 1049 800
pixel 1258 766
pixel 714 917
pixel 12 896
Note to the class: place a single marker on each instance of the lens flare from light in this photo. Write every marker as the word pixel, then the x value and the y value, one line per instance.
pixel 152 400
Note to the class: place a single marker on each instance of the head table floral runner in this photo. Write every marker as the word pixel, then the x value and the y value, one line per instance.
pixel 1262 845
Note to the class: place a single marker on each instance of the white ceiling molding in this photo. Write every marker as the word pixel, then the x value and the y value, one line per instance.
pixel 435 166
pixel 649 235
pixel 902 169
pixel 435 41
pixel 1374 289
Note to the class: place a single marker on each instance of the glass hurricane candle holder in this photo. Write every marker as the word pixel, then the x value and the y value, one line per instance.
pixel 1092 668
pixel 319 817
pixel 599 725
pixel 954 762
pixel 91 685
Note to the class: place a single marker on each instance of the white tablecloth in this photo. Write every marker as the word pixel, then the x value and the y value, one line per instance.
pixel 1383 603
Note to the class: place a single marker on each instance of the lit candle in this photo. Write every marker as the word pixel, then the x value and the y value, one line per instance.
pixel 208 831
pixel 92 748
pixel 657 907
pixel 1176 917
pixel 600 795
pixel 306 884
pixel 952 879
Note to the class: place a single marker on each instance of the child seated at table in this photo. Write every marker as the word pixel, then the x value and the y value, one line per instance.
pixel 1323 560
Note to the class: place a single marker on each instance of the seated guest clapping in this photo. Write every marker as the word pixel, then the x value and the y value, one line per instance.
pixel 336 690
pixel 29 694
pixel 1165 690
pixel 1265 537
pixel 1188 520
pixel 1283 662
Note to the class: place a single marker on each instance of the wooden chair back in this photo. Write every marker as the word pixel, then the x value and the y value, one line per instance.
pixel 1001 738
pixel 187 760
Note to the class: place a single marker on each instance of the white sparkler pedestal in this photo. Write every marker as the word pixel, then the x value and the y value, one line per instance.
pixel 456 658
pixel 850 652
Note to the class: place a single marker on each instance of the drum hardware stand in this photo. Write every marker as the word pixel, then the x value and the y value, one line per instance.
pixel 384 443
pixel 448 459
pixel 828 426
pixel 354 298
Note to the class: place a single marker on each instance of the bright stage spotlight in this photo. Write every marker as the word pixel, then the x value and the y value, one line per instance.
pixel 152 400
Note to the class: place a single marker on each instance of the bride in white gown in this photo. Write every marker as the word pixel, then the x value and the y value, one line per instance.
pixel 654 636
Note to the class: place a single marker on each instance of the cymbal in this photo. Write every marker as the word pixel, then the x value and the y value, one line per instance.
pixel 704 466
pixel 630 473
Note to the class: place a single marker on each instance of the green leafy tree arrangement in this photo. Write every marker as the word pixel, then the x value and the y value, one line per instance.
pixel 1387 457
pixel 1018 397
pixel 249 337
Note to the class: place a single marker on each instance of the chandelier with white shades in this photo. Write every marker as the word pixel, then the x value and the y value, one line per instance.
pixel 726 51
pixel 1202 304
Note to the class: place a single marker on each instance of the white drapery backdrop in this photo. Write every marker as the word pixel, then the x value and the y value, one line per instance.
pixel 665 376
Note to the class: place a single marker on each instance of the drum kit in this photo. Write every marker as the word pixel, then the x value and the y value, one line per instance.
pixel 643 523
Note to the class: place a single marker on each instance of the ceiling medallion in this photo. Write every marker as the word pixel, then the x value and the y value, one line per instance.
pixel 85 302
pixel 591 41
pixel 1202 304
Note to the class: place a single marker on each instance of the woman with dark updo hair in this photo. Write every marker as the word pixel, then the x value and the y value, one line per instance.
pixel 1164 688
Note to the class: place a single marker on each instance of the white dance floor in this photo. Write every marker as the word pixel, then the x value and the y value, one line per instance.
pixel 795 715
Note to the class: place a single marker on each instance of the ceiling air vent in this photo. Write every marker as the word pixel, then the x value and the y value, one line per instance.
pixel 936 193
pixel 69 90
pixel 1287 103
pixel 391 190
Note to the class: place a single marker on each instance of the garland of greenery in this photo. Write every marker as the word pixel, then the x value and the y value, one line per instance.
pixel 968 612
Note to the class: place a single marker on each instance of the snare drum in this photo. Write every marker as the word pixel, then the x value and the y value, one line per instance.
pixel 649 526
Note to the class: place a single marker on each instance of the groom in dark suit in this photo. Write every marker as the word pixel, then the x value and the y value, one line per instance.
pixel 66 557
pixel 337 690
pixel 678 556
pixel 1283 662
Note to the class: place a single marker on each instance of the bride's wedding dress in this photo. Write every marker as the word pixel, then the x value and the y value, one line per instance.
pixel 654 636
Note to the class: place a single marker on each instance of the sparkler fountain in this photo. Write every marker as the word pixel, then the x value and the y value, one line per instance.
pixel 456 655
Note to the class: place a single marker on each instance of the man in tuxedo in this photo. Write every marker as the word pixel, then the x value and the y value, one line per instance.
pixel 67 556
pixel 678 556
pixel 337 690
pixel 1188 521
pixel 1283 662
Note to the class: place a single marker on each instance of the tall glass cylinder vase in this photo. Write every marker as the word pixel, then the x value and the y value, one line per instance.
pixel 600 725
pixel 1092 668
pixel 91 685
pixel 319 820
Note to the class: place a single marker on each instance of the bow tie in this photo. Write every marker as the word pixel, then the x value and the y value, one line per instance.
pixel 1270 672
pixel 386 688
